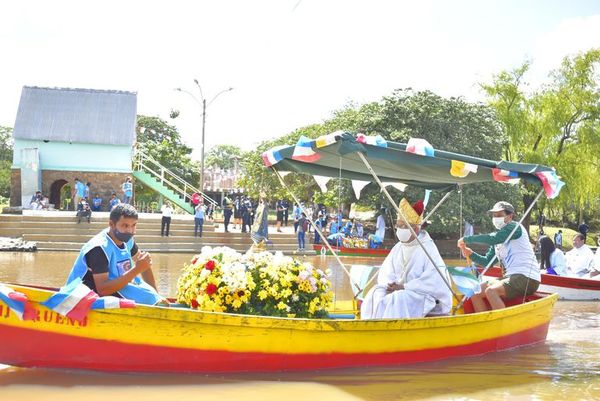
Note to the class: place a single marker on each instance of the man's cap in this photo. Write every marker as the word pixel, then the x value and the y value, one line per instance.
pixel 502 207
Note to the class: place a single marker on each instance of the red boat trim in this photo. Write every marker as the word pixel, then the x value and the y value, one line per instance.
pixel 32 348
pixel 558 281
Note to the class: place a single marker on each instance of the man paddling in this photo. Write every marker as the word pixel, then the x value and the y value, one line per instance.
pixel 408 285
pixel 110 263
pixel 522 274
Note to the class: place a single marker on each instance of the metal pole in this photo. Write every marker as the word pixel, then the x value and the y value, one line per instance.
pixel 317 230
pixel 405 220
pixel 202 153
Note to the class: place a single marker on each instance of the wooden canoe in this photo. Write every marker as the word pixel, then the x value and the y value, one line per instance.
pixel 568 288
pixel 163 339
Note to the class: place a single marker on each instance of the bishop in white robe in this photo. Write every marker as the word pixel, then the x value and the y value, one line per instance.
pixel 408 285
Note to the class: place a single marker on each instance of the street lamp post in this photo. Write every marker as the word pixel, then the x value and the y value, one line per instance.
pixel 204 105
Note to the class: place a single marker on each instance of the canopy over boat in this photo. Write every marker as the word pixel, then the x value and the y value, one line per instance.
pixel 415 163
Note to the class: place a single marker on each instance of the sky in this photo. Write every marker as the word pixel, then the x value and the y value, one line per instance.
pixel 290 63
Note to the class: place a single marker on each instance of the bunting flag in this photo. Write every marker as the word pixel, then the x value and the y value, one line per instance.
pixel 325 140
pixel 272 156
pixel 17 302
pixel 510 177
pixel 462 169
pixel 357 186
pixel 304 152
pixel 110 302
pixel 466 282
pixel 551 182
pixel 322 182
pixel 372 140
pixel 426 198
pixel 73 300
pixel 398 185
pixel 420 147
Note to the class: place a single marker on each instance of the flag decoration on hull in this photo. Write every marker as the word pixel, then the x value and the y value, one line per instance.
pixel 17 302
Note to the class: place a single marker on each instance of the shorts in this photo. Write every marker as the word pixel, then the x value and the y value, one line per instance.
pixel 518 285
pixel 280 215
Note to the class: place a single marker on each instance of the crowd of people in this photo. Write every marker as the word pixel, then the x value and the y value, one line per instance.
pixel 85 204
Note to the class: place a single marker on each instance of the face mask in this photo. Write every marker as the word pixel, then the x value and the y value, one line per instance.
pixel 403 234
pixel 123 237
pixel 498 222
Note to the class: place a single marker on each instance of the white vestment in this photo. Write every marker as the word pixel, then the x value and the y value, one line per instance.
pixel 579 261
pixel 380 227
pixel 424 289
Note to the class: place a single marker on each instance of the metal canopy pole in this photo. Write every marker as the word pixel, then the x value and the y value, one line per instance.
pixel 405 220
pixel 317 230
pixel 491 262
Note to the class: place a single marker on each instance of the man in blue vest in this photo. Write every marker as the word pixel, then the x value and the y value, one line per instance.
pixel 111 262
pixel 127 189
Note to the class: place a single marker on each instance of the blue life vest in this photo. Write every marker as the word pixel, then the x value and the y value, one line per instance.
pixel 119 261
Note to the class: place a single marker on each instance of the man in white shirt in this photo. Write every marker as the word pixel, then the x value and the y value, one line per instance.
pixel 165 224
pixel 580 258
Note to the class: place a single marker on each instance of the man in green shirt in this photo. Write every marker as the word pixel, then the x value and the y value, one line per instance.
pixel 522 274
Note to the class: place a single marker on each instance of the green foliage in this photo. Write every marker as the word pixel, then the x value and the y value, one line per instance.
pixel 163 142
pixel 450 124
pixel 557 125
pixel 6 157
pixel 223 156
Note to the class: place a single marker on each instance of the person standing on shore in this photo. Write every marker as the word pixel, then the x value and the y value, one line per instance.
pixel 301 230
pixel 165 224
pixel 260 229
pixel 199 212
pixel 127 189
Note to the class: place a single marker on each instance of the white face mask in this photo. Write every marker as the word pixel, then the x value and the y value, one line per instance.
pixel 403 234
pixel 498 222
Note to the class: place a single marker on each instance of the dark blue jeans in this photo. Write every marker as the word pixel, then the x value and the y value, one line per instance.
pixel 301 239
pixel 198 223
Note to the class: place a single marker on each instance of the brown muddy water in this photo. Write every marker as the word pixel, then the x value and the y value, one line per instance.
pixel 565 367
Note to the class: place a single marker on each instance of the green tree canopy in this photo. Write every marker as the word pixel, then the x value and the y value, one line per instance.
pixel 223 156
pixel 163 143
pixel 6 158
pixel 557 125
pixel 450 124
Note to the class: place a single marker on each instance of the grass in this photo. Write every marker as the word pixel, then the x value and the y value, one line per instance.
pixel 567 234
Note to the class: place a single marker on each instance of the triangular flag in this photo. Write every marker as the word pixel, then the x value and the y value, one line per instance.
pixel 398 185
pixel 357 186
pixel 322 182
pixel 283 173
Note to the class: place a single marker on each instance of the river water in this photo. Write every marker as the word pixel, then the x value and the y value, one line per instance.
pixel 565 367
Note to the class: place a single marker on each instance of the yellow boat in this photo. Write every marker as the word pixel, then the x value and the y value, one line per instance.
pixel 166 339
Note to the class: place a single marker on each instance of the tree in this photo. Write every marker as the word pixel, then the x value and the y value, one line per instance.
pixel 162 142
pixel 557 125
pixel 223 156
pixel 450 124
pixel 6 158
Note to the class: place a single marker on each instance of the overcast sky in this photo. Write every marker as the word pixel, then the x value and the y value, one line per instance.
pixel 290 62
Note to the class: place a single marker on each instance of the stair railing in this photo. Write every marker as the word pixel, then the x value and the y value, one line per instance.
pixel 146 163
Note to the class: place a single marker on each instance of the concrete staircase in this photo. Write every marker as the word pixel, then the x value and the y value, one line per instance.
pixel 59 231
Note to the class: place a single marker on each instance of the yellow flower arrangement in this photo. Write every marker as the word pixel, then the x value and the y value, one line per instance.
pixel 223 280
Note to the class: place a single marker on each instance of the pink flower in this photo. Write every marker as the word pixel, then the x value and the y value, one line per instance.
pixel 210 265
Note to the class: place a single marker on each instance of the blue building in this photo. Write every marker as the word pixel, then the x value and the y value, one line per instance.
pixel 61 134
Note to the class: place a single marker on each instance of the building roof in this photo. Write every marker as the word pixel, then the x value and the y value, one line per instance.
pixel 76 115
